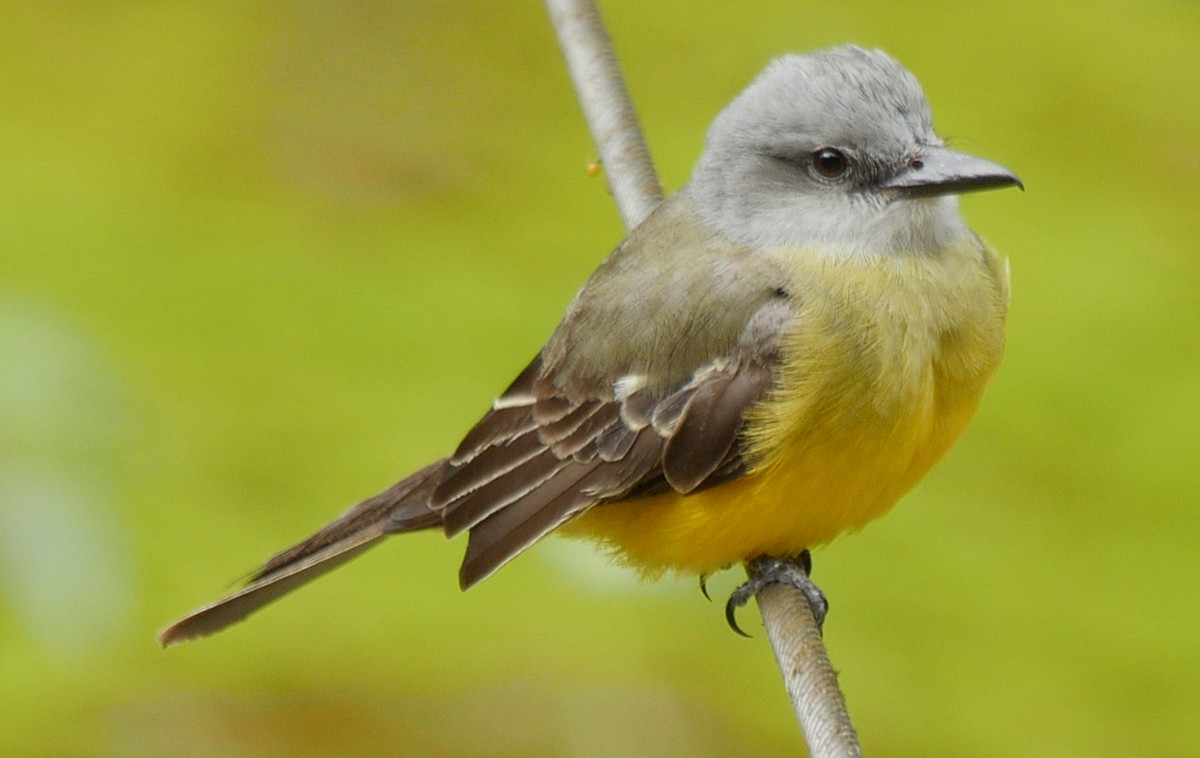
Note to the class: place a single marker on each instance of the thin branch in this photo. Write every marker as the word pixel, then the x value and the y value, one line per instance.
pixel 606 108
pixel 807 673
pixel 788 618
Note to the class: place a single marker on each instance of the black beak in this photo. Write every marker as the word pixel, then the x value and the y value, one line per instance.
pixel 938 171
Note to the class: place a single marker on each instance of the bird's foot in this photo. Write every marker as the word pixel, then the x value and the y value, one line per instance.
pixel 766 570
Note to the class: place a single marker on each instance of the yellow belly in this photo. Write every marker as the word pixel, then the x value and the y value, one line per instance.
pixel 822 483
pixel 882 370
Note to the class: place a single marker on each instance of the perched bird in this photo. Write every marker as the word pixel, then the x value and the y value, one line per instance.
pixel 782 349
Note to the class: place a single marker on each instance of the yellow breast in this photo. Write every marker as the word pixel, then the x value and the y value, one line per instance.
pixel 882 368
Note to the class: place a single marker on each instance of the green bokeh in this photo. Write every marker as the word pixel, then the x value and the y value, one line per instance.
pixel 259 260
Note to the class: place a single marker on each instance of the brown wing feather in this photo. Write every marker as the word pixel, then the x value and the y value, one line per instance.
pixel 614 443
pixel 498 426
pixel 484 467
pixel 508 531
pixel 592 455
pixel 468 509
pixel 581 444
pixel 709 426
pixel 639 464
pixel 554 432
pixel 509 416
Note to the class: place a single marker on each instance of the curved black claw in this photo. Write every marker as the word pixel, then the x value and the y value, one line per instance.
pixel 737 599
pixel 766 570
pixel 805 561
pixel 704 587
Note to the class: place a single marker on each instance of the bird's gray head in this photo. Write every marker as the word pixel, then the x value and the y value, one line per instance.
pixel 835 150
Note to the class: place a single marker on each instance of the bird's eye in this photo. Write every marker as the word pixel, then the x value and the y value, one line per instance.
pixel 830 162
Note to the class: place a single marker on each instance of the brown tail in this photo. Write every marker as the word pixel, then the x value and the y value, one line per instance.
pixel 404 507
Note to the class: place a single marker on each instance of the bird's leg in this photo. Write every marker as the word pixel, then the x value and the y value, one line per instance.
pixel 765 570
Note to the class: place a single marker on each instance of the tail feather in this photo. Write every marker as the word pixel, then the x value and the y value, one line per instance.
pixel 405 503
pixel 404 507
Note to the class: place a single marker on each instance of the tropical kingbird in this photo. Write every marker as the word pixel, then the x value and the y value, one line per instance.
pixel 782 349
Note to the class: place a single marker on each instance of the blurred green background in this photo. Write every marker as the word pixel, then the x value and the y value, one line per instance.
pixel 258 260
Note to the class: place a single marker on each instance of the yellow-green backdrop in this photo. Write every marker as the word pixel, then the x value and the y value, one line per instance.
pixel 257 260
